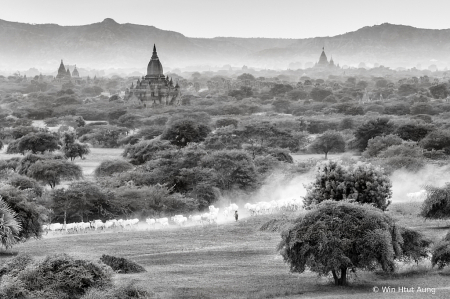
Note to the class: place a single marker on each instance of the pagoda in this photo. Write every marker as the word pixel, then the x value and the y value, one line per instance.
pixel 154 87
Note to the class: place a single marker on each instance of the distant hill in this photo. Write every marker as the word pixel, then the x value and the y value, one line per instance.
pixel 111 45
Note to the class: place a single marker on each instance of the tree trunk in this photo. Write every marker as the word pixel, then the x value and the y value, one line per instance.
pixel 326 155
pixel 340 281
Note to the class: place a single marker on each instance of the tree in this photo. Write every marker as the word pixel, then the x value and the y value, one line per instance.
pixel 232 168
pixel 421 108
pixel 9 226
pixel 441 253
pixel 81 200
pixel 437 203
pixel 363 183
pixel 406 90
pixel 346 123
pixel 130 121
pixel 281 105
pixel 439 91
pixel 414 131
pixel 75 150
pixel 246 76
pixel 319 94
pixel 30 214
pixel 184 131
pixel 341 236
pixel 371 129
pixel 145 150
pixel 279 89
pixel 243 92
pixel 39 142
pixel 329 141
pixel 437 140
pixel 110 167
pixel 52 171
pixel 380 143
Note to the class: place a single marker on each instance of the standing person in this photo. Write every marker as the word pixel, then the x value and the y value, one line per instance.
pixel 236 216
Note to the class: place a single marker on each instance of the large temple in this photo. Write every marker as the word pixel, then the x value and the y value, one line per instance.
pixel 154 87
pixel 323 60
pixel 65 75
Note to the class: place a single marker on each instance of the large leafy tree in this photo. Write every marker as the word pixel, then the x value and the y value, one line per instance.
pixel 329 141
pixel 37 142
pixel 380 143
pixel 52 172
pixel 363 183
pixel 371 129
pixel 340 236
pixel 414 131
pixel 81 201
pixel 232 168
pixel 319 94
pixel 184 131
pixel 9 225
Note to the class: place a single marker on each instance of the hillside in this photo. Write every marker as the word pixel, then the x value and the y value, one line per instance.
pixel 109 44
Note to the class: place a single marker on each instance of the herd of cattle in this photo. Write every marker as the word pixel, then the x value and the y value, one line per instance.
pixel 210 217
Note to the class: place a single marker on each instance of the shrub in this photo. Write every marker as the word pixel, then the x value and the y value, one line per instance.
pixel 371 129
pixel 129 291
pixel 437 140
pixel 414 131
pixel 380 143
pixel 364 183
pixel 121 265
pixel 441 254
pixel 437 203
pixel 110 167
pixel 22 182
pixel 184 131
pixel 61 276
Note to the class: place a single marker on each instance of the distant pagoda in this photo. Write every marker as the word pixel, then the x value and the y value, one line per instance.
pixel 323 60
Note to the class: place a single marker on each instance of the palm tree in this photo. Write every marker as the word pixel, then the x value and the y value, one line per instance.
pixel 9 226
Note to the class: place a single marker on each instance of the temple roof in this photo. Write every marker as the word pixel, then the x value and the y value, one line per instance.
pixel 75 72
pixel 62 69
pixel 154 68
pixel 323 57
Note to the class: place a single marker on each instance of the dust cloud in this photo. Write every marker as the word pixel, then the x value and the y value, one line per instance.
pixel 404 182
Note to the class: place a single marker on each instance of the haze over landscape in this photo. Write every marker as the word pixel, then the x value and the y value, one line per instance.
pixel 224 149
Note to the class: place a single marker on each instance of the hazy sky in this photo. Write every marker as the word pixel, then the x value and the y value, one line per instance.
pixel 240 18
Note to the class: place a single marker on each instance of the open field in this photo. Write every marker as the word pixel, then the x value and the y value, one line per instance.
pixel 235 260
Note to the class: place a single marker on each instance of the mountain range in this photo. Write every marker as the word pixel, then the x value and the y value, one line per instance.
pixel 108 44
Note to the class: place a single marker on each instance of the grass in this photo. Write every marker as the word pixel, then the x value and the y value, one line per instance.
pixel 233 260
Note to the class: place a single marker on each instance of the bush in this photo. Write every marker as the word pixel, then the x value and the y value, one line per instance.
pixel 437 203
pixel 130 291
pixel 121 265
pixel 437 140
pixel 414 131
pixel 371 129
pixel 380 143
pixel 110 167
pixel 364 183
pixel 441 254
pixel 58 276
